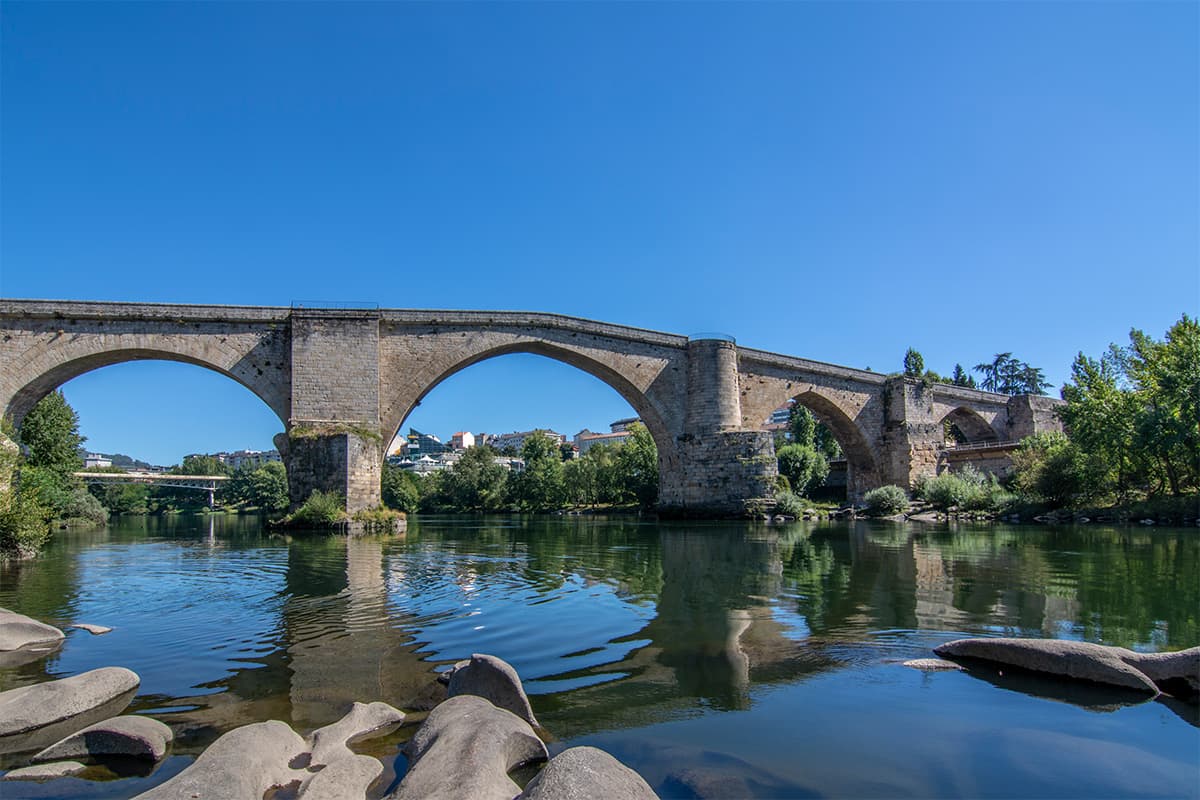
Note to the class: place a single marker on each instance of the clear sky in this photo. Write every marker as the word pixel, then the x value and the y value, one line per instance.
pixel 839 181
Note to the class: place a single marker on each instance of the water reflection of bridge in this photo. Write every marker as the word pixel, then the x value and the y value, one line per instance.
pixel 735 609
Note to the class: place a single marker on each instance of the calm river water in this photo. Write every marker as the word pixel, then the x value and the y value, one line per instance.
pixel 742 657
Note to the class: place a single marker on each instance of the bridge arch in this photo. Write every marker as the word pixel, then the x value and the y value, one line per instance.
pixel 259 363
pixel 862 470
pixel 967 426
pixel 657 422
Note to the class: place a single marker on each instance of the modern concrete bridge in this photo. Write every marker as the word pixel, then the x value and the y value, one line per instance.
pixel 342 382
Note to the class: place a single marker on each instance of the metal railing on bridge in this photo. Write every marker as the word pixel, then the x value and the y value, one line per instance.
pixel 960 448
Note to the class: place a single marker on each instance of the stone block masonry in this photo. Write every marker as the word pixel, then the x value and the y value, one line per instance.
pixel 342 382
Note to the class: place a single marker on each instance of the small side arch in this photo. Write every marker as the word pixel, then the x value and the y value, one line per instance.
pixel 964 425
pixel 862 469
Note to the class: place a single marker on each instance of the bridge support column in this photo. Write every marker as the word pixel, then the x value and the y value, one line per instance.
pixel 911 433
pixel 722 470
pixel 333 436
pixel 330 459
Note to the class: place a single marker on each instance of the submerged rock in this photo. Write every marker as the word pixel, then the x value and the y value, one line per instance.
pixel 244 763
pixel 95 630
pixel 18 632
pixel 494 680
pixel 465 749
pixel 130 736
pixel 1175 673
pixel 32 717
pixel 933 664
pixel 585 772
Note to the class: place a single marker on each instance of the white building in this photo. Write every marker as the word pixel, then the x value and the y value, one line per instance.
pixel 96 460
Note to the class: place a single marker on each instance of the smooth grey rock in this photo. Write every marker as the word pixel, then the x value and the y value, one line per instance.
pixel 494 680
pixel 465 749
pixel 244 763
pixel 45 772
pixel 347 778
pixel 32 717
pixel 583 773
pixel 18 631
pixel 364 720
pixel 131 736
pixel 1114 666
pixel 933 664
pixel 95 630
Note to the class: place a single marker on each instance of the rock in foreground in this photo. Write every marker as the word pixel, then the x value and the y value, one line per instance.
pixel 494 680
pixel 581 773
pixel 18 631
pixel 32 717
pixel 465 749
pixel 243 763
pixel 130 737
pixel 1176 673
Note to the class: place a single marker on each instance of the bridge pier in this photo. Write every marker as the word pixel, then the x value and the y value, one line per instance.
pixel 721 469
pixel 332 458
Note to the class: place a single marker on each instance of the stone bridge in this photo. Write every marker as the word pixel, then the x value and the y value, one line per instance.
pixel 342 382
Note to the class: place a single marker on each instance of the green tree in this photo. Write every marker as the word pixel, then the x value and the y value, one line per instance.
pixel 914 364
pixel 803 466
pixel 50 432
pixel 400 488
pixel 269 487
pixel 1101 417
pixel 961 378
pixel 539 487
pixel 637 466
pixel 1166 379
pixel 476 482
pixel 802 425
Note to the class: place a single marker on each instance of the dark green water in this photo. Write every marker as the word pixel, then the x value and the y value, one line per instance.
pixel 740 656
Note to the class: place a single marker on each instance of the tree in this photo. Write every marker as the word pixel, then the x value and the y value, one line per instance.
pixel 400 489
pixel 269 487
pixel 476 482
pixel 50 431
pixel 539 487
pixel 961 378
pixel 1100 415
pixel 914 364
pixel 1166 378
pixel 802 425
pixel 803 466
pixel 1008 375
pixel 637 465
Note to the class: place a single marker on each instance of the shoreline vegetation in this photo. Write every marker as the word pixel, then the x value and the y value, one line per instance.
pixel 1130 454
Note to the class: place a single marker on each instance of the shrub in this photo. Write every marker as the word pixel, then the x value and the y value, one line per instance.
pixel 24 523
pixel 886 500
pixel 803 466
pixel 321 510
pixel 968 490
pixel 789 504
pixel 81 508
pixel 379 518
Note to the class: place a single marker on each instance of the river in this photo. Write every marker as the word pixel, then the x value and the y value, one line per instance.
pixel 738 656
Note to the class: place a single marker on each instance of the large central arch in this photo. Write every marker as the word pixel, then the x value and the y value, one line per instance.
pixel 636 378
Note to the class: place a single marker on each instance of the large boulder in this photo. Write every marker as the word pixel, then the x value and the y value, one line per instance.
pixel 583 773
pixel 494 680
pixel 244 763
pixel 130 736
pixel 1113 666
pixel 19 632
pixel 32 717
pixel 465 749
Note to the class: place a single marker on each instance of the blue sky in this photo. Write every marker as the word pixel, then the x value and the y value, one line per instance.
pixel 839 181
